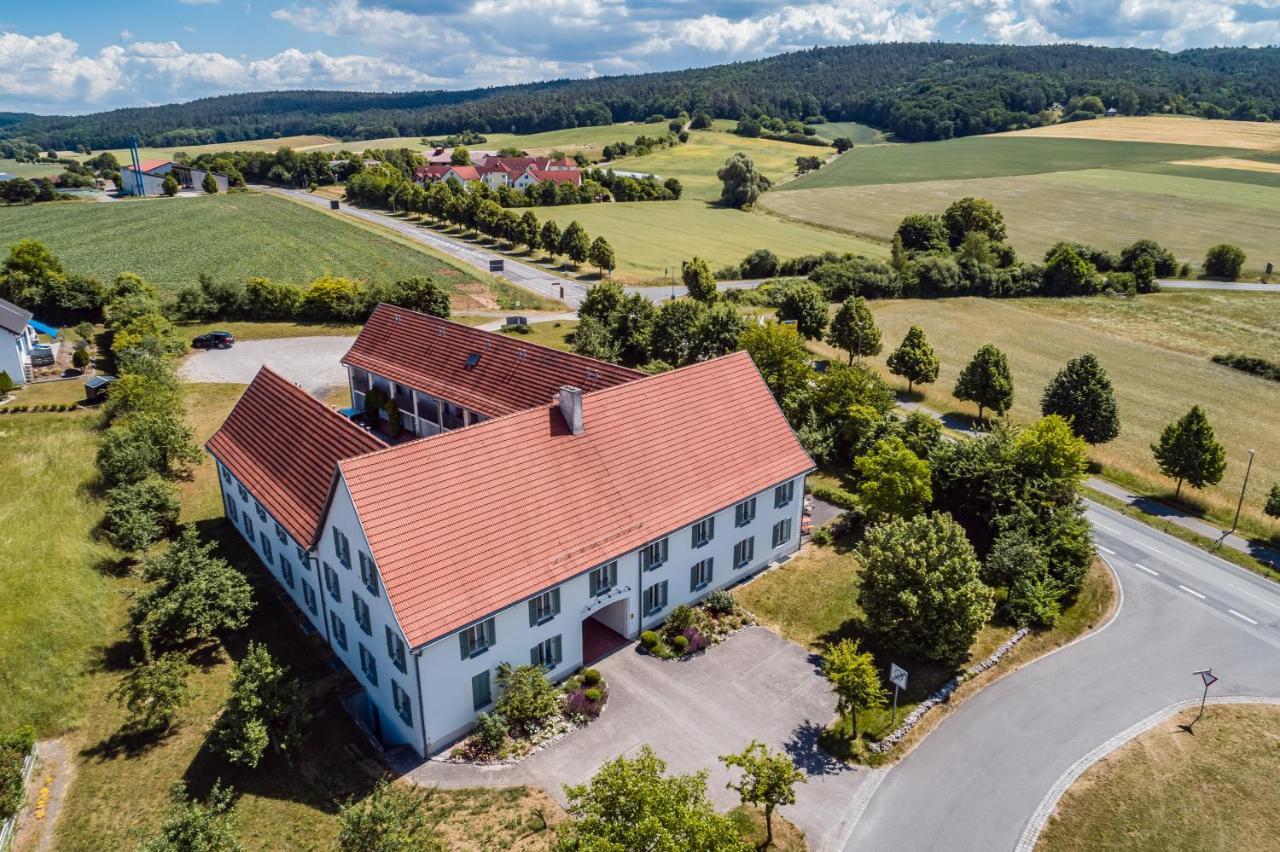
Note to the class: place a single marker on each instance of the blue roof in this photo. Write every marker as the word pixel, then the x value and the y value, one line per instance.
pixel 350 412
pixel 42 328
pixel 99 381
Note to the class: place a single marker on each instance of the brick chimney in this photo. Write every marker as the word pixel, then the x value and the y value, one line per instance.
pixel 571 408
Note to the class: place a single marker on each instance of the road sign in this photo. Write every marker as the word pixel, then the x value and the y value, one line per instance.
pixel 496 266
pixel 1208 677
pixel 898 675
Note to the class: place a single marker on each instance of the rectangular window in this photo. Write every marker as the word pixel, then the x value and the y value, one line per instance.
pixel 248 527
pixel 368 574
pixel 481 691
pixel 232 514
pixel 782 532
pixel 361 610
pixel 303 560
pixel 244 495
pixel 262 513
pixel 700 575
pixel 280 534
pixel 744 513
pixel 743 552
pixel 339 630
pixel 783 493
pixel 478 638
pixel 548 654
pixel 309 598
pixel 427 409
pixel 342 547
pixel 653 555
pixel 403 707
pixel 266 546
pixel 655 598
pixel 331 583
pixel 544 607
pixel 226 474
pixel 395 649
pixel 359 379
pixel 703 531
pixel 286 570
pixel 604 578
pixel 368 664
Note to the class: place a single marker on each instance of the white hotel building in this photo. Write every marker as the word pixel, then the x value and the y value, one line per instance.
pixel 558 524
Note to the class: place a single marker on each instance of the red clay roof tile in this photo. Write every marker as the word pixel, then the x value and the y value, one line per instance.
pixel 284 444
pixel 468 522
pixel 430 354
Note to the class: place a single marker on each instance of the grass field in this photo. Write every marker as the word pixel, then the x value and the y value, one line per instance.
pixel 1155 382
pixel 30 170
pixel 861 134
pixel 1170 790
pixel 231 237
pixel 298 143
pixel 1185 182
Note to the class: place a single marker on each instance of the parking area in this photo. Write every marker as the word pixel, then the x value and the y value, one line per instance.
pixel 312 362
pixel 755 685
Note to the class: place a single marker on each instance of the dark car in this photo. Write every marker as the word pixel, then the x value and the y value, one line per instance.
pixel 215 340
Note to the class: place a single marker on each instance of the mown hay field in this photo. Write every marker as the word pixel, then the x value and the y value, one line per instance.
pixel 1155 382
pixel 860 134
pixel 1169 789
pixel 235 236
pixel 297 143
pixel 1175 129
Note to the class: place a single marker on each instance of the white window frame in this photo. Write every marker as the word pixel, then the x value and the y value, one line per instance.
pixel 704 531
pixel 396 650
pixel 784 494
pixel 332 583
pixel 360 611
pixel 701 574
pixel 342 547
pixel 286 570
pixel 745 512
pixel 782 532
pixel 368 664
pixel 744 551
pixel 404 707
pixel 654 555
pixel 309 598
pixel 652 606
pixel 338 628
pixel 544 607
pixel 607 572
pixel 549 653
pixel 368 572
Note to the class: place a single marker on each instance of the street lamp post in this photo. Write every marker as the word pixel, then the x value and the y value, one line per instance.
pixel 1243 486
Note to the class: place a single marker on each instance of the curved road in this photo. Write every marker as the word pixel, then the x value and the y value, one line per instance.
pixel 974 782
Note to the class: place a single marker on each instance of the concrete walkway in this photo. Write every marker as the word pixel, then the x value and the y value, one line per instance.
pixel 1169 514
pixel 1225 286
pixel 755 685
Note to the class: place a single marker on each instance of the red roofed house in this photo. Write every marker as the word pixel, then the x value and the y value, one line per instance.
pixel 532 176
pixel 548 534
pixel 462 174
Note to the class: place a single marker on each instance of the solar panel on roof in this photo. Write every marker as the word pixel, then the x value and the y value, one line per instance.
pixel 473 359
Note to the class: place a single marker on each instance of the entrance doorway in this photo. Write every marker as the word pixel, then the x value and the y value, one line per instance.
pixel 602 632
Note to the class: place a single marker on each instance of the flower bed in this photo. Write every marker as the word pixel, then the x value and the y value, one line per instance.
pixel 689 631
pixel 531 715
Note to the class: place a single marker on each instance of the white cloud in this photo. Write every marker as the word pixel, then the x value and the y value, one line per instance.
pixel 373 25
pixel 125 35
pixel 49 70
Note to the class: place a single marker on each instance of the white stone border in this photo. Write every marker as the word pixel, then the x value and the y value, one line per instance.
pixel 1035 825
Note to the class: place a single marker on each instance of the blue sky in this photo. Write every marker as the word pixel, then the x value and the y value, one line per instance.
pixel 70 57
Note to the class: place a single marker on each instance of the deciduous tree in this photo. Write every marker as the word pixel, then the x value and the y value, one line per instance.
pixel 698 280
pixel 804 304
pixel 1224 261
pixel 854 679
pixel 853 329
pixel 741 183
pixel 1081 394
pixel 155 689
pixel 674 337
pixel 914 359
pixel 194 826
pixel 1272 506
pixel 768 780
pixel 393 818
pixel 1187 450
pixel 267 708
pixel 986 381
pixel 195 593
pixel 601 255
pixel 967 215
pixel 574 243
pixel 892 481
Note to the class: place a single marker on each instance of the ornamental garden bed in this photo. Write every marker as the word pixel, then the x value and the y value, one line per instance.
pixel 691 630
pixel 531 714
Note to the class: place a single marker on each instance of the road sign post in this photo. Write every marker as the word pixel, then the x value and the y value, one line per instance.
pixel 898 675
pixel 1209 679
pixel 497 266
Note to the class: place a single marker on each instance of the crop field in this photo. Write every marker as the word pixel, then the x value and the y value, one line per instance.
pixel 1187 183
pixel 1155 382
pixel 298 143
pixel 589 140
pixel 231 237
pixel 651 236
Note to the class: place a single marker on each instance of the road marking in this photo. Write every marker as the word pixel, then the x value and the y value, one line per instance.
pixel 1191 591
pixel 1263 600
pixel 1241 616
pixel 1112 529
pixel 1148 570
pixel 1105 550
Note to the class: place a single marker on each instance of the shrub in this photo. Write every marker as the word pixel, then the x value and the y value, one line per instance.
pixel 1250 364
pixel 835 496
pixel 680 643
pixel 1034 601
pixel 490 732
pixel 695 640
pixel 528 701
pixel 13 750
pixel 648 640
pixel 594 695
pixel 1224 261
pixel 591 677
pixel 6 383
pixel 140 513
pixel 680 619
pixel 822 536
pixel 580 704
pixel 720 602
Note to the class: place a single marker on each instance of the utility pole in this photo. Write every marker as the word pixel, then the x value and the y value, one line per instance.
pixel 1240 503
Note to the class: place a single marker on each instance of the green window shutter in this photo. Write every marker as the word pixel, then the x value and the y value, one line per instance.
pixel 534 656
pixel 711 528
pixel 555 601
pixel 559 650
pixel 595 582
pixel 533 612
pixel 490 633
pixel 465 641
pixel 693 577
pixel 391 648
pixel 711 568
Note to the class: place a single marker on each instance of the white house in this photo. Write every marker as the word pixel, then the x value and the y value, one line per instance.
pixel 153 173
pixel 551 534
pixel 17 337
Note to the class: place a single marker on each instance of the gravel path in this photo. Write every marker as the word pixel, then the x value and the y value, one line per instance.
pixel 315 363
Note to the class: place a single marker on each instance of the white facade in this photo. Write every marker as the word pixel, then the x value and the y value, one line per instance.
pixel 15 353
pixel 421 413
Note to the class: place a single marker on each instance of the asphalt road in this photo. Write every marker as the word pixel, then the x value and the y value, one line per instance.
pixel 1237 286
pixel 974 782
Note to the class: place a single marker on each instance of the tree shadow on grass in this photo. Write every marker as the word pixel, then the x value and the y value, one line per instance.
pixel 129 742
pixel 806 750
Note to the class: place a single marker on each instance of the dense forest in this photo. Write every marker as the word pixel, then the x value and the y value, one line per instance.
pixel 915 91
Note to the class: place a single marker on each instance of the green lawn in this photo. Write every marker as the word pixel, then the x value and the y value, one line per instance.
pixel 555 334
pixel 1174 791
pixel 991 156
pixel 231 237
pixel 30 170
pixel 861 134
pixel 58 601
pixel 652 236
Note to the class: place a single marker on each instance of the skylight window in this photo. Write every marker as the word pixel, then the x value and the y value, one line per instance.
pixel 472 360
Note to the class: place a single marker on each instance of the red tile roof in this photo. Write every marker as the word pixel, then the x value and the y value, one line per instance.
pixel 468 522
pixel 465 172
pixel 430 354
pixel 284 444
pixel 557 175
pixel 149 165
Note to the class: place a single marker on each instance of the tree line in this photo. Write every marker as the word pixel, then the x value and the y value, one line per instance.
pixel 915 91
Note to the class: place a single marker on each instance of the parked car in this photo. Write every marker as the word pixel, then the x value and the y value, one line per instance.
pixel 41 356
pixel 215 340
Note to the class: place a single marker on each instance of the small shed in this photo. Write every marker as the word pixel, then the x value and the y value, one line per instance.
pixel 95 388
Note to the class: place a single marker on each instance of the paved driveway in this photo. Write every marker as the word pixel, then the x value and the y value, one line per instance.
pixel 753 686
pixel 313 362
